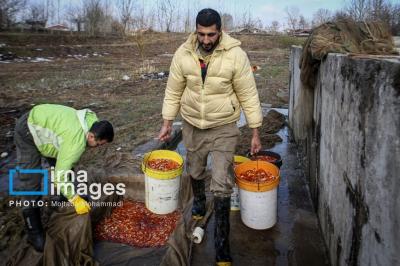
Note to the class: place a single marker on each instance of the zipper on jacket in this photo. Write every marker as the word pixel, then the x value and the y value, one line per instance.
pixel 202 116
pixel 202 91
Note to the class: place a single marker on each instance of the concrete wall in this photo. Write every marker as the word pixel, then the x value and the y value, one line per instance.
pixel 349 130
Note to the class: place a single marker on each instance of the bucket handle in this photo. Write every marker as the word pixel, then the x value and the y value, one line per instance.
pixel 258 183
pixel 145 163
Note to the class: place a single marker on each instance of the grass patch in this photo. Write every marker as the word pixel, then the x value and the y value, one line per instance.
pixel 286 41
pixel 273 71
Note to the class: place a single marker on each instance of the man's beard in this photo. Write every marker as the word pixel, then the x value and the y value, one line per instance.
pixel 209 47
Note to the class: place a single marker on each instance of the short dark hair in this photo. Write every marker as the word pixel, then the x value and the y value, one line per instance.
pixel 208 17
pixel 103 130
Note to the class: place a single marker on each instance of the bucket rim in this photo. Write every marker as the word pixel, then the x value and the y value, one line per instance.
pixel 277 156
pixel 162 154
pixel 257 187
pixel 240 158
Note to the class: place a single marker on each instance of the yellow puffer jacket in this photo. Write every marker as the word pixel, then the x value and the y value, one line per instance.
pixel 228 85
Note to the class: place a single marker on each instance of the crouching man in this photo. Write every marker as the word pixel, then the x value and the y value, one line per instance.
pixel 61 135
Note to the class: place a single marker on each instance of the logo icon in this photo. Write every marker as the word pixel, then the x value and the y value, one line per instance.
pixel 13 172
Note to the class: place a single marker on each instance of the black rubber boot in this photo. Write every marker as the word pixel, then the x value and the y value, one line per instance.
pixel 199 201
pixel 33 225
pixel 222 207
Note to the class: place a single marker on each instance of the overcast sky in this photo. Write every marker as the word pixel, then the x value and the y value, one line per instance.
pixel 270 10
pixel 266 10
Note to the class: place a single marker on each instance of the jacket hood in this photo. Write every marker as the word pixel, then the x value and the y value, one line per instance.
pixel 226 42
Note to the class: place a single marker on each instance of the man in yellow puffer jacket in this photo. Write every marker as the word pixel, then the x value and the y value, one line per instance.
pixel 210 80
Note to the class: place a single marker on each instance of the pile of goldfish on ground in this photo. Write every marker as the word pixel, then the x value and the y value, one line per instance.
pixel 133 224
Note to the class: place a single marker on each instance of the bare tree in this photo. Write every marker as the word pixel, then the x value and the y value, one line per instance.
pixel 125 8
pixel 293 17
pixel 94 14
pixel 248 22
pixel 35 15
pixel 358 9
pixel 167 12
pixel 303 23
pixel 274 27
pixel 340 14
pixel 378 9
pixel 193 7
pixel 58 12
pixel 188 21
pixel 139 24
pixel 76 15
pixel 395 20
pixel 37 12
pixel 8 10
pixel 381 10
pixel 246 19
pixel 321 16
pixel 50 11
pixel 139 20
pixel 374 10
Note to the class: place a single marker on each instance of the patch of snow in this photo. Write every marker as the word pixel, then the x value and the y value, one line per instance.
pixel 166 55
pixel 126 77
pixel 40 59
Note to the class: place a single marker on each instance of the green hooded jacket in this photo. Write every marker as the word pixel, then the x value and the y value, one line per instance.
pixel 60 132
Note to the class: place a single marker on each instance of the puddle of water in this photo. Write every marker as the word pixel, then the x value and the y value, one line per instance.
pixel 283 111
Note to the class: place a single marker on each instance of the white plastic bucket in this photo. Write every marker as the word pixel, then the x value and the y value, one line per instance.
pixel 258 210
pixel 161 195
pixel 258 201
pixel 162 187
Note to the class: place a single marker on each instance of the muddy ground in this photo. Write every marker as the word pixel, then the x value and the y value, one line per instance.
pixel 86 72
